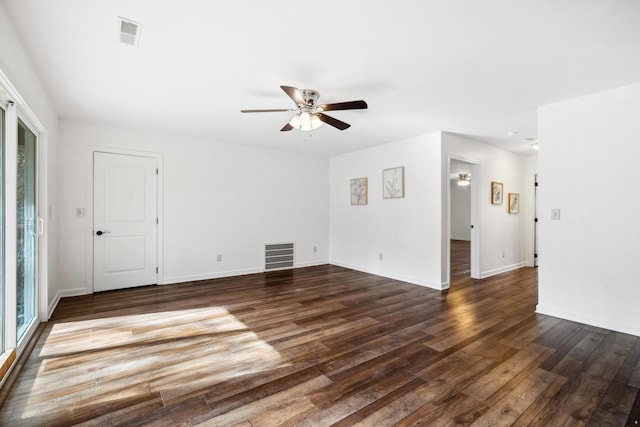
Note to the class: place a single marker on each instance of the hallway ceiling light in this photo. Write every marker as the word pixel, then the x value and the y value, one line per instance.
pixel 464 180
pixel 535 146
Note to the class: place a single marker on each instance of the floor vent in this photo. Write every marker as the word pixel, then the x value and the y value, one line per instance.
pixel 279 256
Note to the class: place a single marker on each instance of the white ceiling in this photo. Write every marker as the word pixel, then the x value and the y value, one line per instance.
pixel 478 68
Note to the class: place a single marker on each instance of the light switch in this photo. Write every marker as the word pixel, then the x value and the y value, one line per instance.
pixel 555 214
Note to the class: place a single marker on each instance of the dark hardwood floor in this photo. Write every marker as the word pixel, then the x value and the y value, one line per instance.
pixel 460 259
pixel 324 346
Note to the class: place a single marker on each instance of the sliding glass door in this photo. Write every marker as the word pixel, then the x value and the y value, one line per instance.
pixel 20 227
pixel 2 299
pixel 26 255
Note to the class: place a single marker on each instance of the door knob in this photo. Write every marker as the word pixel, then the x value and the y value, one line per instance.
pixel 100 233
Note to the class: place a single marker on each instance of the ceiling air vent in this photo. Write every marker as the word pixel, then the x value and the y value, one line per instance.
pixel 129 31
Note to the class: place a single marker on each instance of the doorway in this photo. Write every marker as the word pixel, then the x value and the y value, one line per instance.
pixel 535 220
pixel 125 221
pixel 463 217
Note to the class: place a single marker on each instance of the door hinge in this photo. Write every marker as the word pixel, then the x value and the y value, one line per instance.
pixel 156 270
pixel 157 173
pixel 535 220
pixel 535 255
pixel 536 184
pixel 157 222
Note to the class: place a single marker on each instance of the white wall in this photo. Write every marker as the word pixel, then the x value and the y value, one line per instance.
pixel 17 67
pixel 406 230
pixel 501 235
pixel 529 206
pixel 460 212
pixel 218 199
pixel 588 165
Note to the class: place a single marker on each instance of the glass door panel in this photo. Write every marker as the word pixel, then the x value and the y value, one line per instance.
pixel 27 235
pixel 2 311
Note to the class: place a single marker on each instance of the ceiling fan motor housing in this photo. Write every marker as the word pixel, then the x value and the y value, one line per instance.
pixel 310 96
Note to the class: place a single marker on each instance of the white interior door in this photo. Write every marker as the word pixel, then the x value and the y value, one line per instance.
pixel 124 221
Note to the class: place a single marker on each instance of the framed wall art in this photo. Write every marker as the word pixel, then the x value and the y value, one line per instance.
pixel 359 190
pixel 514 203
pixel 393 183
pixel 496 193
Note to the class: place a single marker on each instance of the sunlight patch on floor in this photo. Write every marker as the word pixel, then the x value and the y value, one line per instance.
pixel 138 355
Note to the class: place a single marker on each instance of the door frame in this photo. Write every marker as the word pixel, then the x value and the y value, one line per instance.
pixel 16 108
pixel 475 217
pixel 88 211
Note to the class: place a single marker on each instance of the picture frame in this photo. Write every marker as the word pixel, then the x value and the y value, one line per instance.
pixel 393 183
pixel 497 194
pixel 514 203
pixel 359 189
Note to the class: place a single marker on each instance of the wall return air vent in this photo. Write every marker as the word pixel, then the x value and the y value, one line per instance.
pixel 279 256
pixel 129 31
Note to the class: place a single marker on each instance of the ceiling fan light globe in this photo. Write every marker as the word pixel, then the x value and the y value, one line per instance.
pixel 295 121
pixel 305 121
pixel 316 122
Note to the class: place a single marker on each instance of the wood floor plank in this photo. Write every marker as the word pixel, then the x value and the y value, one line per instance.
pixel 320 346
pixel 509 408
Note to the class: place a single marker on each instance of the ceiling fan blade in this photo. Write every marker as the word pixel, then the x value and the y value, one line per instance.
pixel 294 94
pixel 349 105
pixel 339 124
pixel 286 127
pixel 268 111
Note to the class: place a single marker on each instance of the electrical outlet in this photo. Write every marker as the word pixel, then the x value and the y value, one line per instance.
pixel 315 249
pixel 503 253
pixel 79 212
pixel 219 258
pixel 380 256
pixel 555 214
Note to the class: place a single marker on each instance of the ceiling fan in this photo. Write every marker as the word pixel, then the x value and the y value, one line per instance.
pixel 309 114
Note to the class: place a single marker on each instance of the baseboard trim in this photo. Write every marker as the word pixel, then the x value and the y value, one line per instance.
pixel 588 320
pixel 63 294
pixel 53 304
pixel 407 279
pixel 500 270
pixel 76 292
pixel 209 276
pixel 231 273
pixel 311 263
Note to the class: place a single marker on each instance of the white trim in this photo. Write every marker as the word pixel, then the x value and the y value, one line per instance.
pixel 10 231
pixel 28 333
pixel 75 292
pixel 22 111
pixel 89 210
pixel 474 218
pixel 233 273
pixel 588 320
pixel 208 276
pixel 53 304
pixel 311 263
pixel 398 277
pixel 504 269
